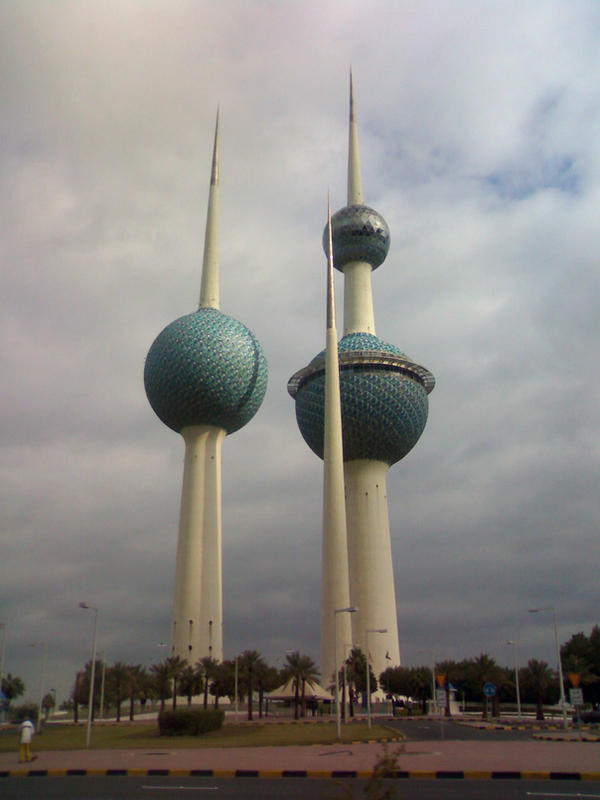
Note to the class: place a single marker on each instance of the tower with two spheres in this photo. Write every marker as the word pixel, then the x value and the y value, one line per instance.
pixel 205 377
pixel 384 406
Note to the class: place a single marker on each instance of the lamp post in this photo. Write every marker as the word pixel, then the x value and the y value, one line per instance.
pixel 347 648
pixel 3 627
pixel 348 610
pixel 514 645
pixel 88 734
pixel 236 688
pixel 367 632
pixel 102 683
pixel 560 672
pixel 43 675
pixel 432 677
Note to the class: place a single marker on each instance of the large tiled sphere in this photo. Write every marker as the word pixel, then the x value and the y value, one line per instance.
pixel 205 369
pixel 359 233
pixel 383 411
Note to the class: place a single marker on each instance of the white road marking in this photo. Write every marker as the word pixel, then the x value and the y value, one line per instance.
pixel 183 788
pixel 560 794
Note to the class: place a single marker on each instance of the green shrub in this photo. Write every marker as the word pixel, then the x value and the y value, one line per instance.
pixel 19 713
pixel 190 721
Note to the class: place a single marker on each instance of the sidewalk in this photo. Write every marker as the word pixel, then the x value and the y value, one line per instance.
pixel 519 759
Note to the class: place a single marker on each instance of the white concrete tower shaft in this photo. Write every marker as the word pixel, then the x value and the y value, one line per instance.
pixel 335 594
pixel 369 546
pixel 197 625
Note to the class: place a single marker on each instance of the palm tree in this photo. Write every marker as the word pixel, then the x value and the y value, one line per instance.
pixel 146 688
pixel 137 677
pixel 538 678
pixel 177 665
pixel 267 679
pixel 356 670
pixel 118 678
pixel 189 682
pixel 205 669
pixel 482 670
pixel 162 680
pixel 222 680
pixel 48 704
pixel 302 669
pixel 12 686
pixel 250 661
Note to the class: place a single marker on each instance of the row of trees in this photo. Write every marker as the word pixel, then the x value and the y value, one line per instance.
pixel 538 683
pixel 175 677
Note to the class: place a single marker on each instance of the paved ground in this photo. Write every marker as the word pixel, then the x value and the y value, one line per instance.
pixel 477 758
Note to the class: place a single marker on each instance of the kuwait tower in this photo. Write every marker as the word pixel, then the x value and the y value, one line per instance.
pixel 384 405
pixel 205 377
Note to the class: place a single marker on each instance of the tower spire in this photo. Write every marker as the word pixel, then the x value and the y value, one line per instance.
pixel 330 290
pixel 209 288
pixel 355 193
pixel 335 587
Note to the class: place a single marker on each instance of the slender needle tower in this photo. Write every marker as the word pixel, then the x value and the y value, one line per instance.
pixel 205 377
pixel 335 592
pixel 384 410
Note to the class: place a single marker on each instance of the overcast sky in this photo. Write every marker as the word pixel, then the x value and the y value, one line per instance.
pixel 479 125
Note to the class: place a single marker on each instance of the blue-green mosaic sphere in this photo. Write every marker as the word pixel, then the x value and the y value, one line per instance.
pixel 358 233
pixel 205 369
pixel 383 411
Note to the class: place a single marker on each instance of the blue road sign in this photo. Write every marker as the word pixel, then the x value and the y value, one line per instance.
pixel 489 689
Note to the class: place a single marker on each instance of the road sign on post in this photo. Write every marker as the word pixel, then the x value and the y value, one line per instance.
pixel 576 697
pixel 440 698
pixel 489 689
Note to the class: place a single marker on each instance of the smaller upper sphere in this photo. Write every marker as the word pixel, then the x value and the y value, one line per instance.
pixel 205 368
pixel 359 233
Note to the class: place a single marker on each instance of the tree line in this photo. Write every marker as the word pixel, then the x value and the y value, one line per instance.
pixel 248 675
pixel 175 678
pixel 538 682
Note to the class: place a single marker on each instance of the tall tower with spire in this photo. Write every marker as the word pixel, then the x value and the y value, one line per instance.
pixel 384 406
pixel 205 377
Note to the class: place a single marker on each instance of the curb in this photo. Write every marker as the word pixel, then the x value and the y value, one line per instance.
pixel 542 738
pixel 300 773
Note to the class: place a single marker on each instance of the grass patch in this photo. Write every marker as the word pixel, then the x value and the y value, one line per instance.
pixel 145 735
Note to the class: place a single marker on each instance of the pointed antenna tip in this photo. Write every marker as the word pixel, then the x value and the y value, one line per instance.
pixel 214 178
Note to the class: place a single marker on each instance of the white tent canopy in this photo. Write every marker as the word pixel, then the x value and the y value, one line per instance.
pixel 312 691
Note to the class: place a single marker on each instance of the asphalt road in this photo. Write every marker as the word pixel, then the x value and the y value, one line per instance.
pixel 424 730
pixel 114 788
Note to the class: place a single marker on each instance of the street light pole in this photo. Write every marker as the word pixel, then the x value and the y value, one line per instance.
pixel 42 676
pixel 336 611
pixel 560 672
pixel 432 677
pixel 514 644
pixel 236 688
pixel 88 734
pixel 367 632
pixel 102 684
pixel 3 626
pixel 346 688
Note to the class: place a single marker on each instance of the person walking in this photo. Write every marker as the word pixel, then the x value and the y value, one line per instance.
pixel 27 730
